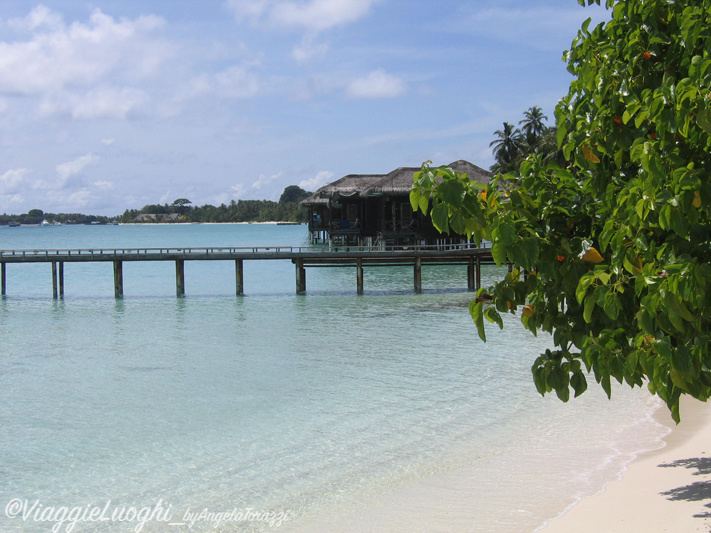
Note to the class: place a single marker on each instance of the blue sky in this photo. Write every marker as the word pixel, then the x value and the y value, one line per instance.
pixel 114 104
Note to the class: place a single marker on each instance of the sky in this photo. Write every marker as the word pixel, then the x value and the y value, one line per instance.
pixel 108 105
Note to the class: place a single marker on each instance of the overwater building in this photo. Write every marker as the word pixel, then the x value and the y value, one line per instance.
pixel 374 209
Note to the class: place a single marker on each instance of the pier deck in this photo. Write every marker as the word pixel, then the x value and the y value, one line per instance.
pixel 302 257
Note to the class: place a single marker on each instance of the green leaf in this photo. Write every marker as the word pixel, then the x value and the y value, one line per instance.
pixel 579 383
pixel 588 309
pixel 612 305
pixel 507 233
pixel 583 285
pixel 498 252
pixel 452 192
pixel 663 347
pixel 563 393
pixel 457 223
pixel 681 359
pixel 631 263
pixel 605 383
pixel 424 204
pixel 703 119
pixel 493 316
pixel 476 310
pixel 415 198
pixel 526 252
pixel 440 218
pixel 632 361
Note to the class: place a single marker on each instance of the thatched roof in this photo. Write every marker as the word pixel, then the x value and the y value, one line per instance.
pixel 399 181
pixel 350 185
pixel 396 183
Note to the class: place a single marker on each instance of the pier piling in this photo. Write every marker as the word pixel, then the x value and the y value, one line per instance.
pixel 239 276
pixel 57 280
pixel 61 279
pixel 418 275
pixel 180 277
pixel 3 279
pixel 118 279
pixel 300 276
pixel 359 275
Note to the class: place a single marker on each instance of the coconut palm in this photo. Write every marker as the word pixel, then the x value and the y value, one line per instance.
pixel 533 127
pixel 507 148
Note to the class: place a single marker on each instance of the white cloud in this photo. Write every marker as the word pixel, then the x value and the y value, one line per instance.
pixel 72 168
pixel 102 102
pixel 248 10
pixel 543 28
pixel 57 56
pixel 108 142
pixel 11 181
pixel 239 189
pixel 317 181
pixel 312 15
pixel 79 198
pixel 319 15
pixel 40 17
pixel 103 185
pixel 377 84
pixel 265 180
pixel 308 49
pixel 233 82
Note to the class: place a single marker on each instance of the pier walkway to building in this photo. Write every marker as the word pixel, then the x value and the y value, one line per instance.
pixel 341 256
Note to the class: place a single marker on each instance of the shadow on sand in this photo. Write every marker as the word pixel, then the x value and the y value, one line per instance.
pixel 699 491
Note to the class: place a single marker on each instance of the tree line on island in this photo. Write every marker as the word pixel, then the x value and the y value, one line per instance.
pixel 287 209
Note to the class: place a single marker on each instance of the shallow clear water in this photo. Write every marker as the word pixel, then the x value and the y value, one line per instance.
pixel 326 406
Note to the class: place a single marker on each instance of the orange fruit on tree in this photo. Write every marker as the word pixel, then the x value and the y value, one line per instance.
pixel 697 199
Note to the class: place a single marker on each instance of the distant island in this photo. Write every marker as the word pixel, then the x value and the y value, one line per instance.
pixel 287 209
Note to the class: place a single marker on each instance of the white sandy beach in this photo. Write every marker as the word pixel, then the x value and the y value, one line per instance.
pixel 667 490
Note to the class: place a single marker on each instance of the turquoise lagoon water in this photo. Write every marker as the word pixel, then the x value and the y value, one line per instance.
pixel 320 412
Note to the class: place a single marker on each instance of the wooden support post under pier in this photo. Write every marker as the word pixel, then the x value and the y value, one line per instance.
pixel 239 276
pixel 3 278
pixel 359 275
pixel 61 279
pixel 300 276
pixel 118 279
pixel 180 277
pixel 57 280
pixel 418 275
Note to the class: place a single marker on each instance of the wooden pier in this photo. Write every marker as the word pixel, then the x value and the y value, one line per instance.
pixel 302 257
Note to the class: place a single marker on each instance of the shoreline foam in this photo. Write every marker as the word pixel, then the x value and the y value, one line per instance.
pixel 668 489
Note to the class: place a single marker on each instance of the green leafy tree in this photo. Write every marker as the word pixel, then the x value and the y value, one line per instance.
pixel 293 193
pixel 611 252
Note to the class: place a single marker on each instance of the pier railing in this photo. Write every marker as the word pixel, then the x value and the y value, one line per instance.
pixel 268 252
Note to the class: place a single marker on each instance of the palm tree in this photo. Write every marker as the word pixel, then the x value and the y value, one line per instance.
pixel 533 127
pixel 506 148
